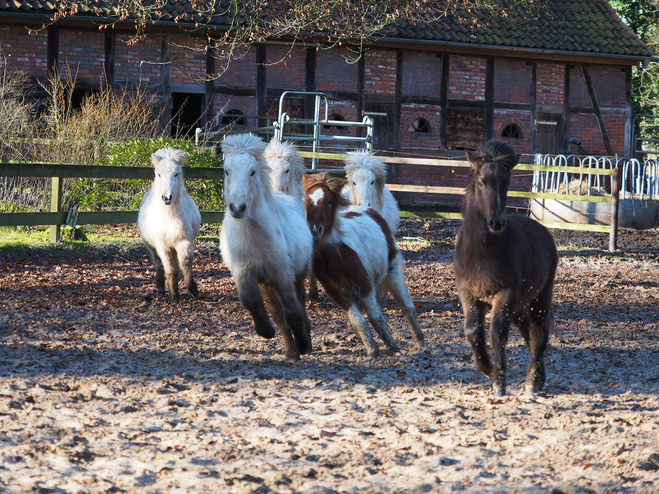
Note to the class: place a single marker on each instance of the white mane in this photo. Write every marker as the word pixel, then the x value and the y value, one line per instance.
pixel 175 155
pixel 286 167
pixel 366 160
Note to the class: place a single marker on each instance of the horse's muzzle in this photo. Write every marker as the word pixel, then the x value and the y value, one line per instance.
pixel 496 225
pixel 238 211
pixel 167 199
pixel 316 231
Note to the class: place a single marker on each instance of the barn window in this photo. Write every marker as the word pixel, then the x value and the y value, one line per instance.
pixel 233 117
pixel 337 117
pixel 513 131
pixel 420 126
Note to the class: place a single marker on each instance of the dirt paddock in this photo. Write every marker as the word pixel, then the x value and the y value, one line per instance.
pixel 104 388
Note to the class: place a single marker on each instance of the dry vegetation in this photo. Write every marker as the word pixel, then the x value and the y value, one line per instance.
pixel 104 388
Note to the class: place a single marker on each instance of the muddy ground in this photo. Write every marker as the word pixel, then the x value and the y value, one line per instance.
pixel 104 388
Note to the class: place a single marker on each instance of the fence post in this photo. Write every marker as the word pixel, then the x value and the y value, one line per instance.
pixel 615 200
pixel 55 205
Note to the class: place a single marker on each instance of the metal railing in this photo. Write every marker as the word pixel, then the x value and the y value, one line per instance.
pixel 317 140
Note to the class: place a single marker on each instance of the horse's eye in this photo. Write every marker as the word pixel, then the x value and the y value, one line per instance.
pixel 253 173
pixel 329 202
pixel 372 182
pixel 176 174
pixel 354 183
pixel 481 183
pixel 226 172
pixel 158 174
pixel 287 171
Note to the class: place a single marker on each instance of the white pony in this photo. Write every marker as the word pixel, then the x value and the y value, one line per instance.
pixel 365 187
pixel 286 168
pixel 168 222
pixel 266 244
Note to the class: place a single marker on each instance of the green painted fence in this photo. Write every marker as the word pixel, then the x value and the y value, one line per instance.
pixel 56 217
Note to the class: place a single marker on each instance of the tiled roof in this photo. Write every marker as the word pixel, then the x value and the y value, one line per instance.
pixel 587 26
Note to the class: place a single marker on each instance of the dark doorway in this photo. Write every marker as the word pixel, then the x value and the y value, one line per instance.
pixel 295 109
pixel 383 125
pixel 186 114
pixel 549 133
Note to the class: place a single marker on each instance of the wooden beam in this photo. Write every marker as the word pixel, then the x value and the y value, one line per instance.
pixel 596 106
pixel 489 99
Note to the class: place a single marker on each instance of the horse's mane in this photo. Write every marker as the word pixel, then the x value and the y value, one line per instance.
pixel 494 151
pixel 366 160
pixel 175 155
pixel 254 145
pixel 288 151
pixel 333 184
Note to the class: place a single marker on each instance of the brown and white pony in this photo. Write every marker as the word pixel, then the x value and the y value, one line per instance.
pixel 354 255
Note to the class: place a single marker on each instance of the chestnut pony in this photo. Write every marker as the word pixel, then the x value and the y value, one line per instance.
pixel 354 255
pixel 505 265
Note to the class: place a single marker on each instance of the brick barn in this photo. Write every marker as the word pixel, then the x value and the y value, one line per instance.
pixel 434 89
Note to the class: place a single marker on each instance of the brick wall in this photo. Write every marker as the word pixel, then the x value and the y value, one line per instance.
pixel 608 83
pixel 550 84
pixel 420 140
pixel 286 68
pixel 522 119
pixel 187 60
pixel 422 73
pixel 467 78
pixel 238 71
pixel 245 104
pixel 584 127
pixel 139 62
pixel 83 52
pixel 512 81
pixel 348 110
pixel 24 52
pixel 380 72
pixel 334 72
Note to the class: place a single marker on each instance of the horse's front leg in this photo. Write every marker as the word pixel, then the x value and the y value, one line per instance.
pixel 372 307
pixel 503 305
pixel 542 322
pixel 185 253
pixel 297 323
pixel 160 270
pixel 250 296
pixel 474 311
pixel 360 326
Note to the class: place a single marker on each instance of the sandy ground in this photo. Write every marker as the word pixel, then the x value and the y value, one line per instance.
pixel 104 388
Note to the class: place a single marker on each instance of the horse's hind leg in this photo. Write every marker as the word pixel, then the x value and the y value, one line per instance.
pixel 474 330
pixel 250 296
pixel 542 320
pixel 379 322
pixel 313 287
pixel 185 258
pixel 171 273
pixel 395 283
pixel 360 326
pixel 291 325
pixel 302 297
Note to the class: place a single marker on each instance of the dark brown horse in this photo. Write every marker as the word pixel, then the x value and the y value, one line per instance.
pixel 505 265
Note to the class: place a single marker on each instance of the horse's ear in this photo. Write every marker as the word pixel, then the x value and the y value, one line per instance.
pixel 155 159
pixel 515 160
pixel 475 160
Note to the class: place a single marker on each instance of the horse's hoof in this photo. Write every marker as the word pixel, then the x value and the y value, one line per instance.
pixel 531 390
pixel 303 347
pixel 292 357
pixel 194 291
pixel 373 353
pixel 498 391
pixel 265 330
pixel 393 350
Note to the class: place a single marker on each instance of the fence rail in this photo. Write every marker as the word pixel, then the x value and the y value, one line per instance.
pixel 56 217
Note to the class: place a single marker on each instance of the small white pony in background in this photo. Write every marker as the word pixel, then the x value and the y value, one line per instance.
pixel 365 187
pixel 286 168
pixel 287 172
pixel 266 244
pixel 168 222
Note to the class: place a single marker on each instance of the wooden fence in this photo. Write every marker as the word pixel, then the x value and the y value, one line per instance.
pixel 56 217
